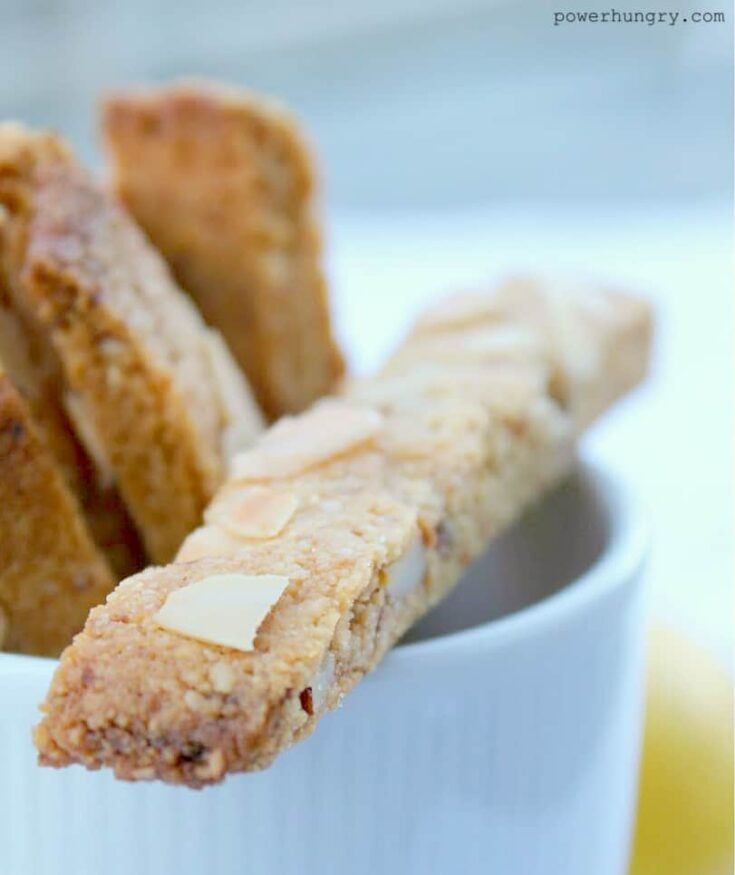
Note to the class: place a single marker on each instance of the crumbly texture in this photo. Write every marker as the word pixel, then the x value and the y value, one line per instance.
pixel 141 380
pixel 383 529
pixel 223 183
pixel 32 364
pixel 51 572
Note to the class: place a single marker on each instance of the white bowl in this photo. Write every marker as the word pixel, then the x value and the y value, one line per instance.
pixel 482 745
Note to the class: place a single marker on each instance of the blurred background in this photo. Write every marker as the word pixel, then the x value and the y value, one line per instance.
pixel 416 103
pixel 462 139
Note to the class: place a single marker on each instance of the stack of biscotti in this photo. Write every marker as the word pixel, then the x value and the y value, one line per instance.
pixel 120 407
pixel 335 532
pixel 223 182
pixel 52 571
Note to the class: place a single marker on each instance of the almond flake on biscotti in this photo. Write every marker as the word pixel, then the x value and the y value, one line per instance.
pixel 257 512
pixel 224 609
pixel 332 428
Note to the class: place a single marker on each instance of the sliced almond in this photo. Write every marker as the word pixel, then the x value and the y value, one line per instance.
pixel 322 681
pixel 208 541
pixel 497 345
pixel 410 387
pixel 224 609
pixel 295 444
pixel 255 512
pixel 467 310
pixel 551 308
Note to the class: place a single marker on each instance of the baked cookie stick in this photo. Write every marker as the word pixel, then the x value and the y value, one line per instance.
pixel 51 571
pixel 35 370
pixel 223 183
pixel 150 390
pixel 348 522
pixel 583 333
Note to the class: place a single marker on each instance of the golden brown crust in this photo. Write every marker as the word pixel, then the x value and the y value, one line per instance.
pixel 223 183
pixel 51 572
pixel 383 527
pixel 34 367
pixel 137 373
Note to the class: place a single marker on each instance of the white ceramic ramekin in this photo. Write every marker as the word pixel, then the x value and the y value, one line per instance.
pixel 509 747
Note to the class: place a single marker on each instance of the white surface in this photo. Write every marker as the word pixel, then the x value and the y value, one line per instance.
pixel 673 440
pixel 508 748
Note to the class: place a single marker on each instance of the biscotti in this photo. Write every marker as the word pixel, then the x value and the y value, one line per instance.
pixel 353 519
pixel 141 374
pixel 223 183
pixel 35 370
pixel 584 330
pixel 51 571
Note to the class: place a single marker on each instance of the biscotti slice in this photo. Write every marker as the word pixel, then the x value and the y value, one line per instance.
pixel 223 183
pixel 51 571
pixel 30 363
pixel 585 328
pixel 333 534
pixel 34 368
pixel 142 374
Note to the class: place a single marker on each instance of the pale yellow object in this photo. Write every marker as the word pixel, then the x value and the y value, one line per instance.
pixel 293 445
pixel 404 575
pixel 224 609
pixel 259 513
pixel 208 541
pixel 685 817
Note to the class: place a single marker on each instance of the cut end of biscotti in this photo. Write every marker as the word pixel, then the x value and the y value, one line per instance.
pixel 51 570
pixel 252 260
pixel 152 393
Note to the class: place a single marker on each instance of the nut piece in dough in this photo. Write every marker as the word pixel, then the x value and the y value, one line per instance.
pixel 295 444
pixel 206 542
pixel 257 512
pixel 323 680
pixel 459 313
pixel 224 609
pixel 408 572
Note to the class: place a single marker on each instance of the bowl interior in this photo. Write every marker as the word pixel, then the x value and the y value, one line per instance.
pixel 554 543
